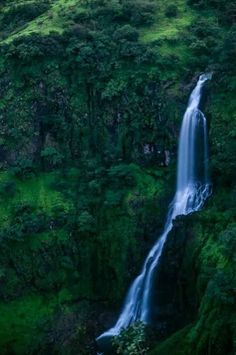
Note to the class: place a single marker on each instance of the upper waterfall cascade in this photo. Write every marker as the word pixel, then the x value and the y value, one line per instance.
pixel 192 189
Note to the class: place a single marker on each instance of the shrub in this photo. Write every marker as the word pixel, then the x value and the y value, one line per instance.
pixel 18 15
pixel 79 31
pixel 86 222
pixel 126 32
pixel 22 208
pixel 23 168
pixel 171 11
pixel 51 157
pixel 110 11
pixel 139 13
pixel 199 48
pixel 25 48
pixel 131 341
pixel 25 222
pixel 121 175
pixel 8 189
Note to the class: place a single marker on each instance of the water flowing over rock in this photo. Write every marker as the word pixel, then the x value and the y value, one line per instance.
pixel 192 189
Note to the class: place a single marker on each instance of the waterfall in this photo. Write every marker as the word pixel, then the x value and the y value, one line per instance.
pixel 192 189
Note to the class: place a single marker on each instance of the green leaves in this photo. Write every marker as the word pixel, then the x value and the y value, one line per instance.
pixel 126 32
pixel 86 223
pixel 131 341
pixel 51 156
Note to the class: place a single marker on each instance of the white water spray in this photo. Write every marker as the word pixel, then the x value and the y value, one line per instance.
pixel 192 190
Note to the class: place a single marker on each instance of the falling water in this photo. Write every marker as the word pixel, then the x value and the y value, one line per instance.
pixel 192 190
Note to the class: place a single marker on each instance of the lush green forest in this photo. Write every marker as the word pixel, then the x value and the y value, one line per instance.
pixel 92 93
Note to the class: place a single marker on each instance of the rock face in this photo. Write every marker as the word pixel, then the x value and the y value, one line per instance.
pixel 174 296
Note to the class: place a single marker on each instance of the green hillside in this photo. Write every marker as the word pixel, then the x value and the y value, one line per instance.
pixel 92 94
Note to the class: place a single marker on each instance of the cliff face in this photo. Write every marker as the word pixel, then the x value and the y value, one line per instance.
pixel 175 300
pixel 202 279
pixel 91 98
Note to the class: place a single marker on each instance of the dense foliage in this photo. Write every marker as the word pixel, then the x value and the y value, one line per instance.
pixel 91 98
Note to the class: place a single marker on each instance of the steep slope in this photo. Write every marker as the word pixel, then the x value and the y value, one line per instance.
pixel 91 98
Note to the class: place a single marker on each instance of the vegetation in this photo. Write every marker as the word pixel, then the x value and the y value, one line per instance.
pixel 91 97
pixel 131 340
